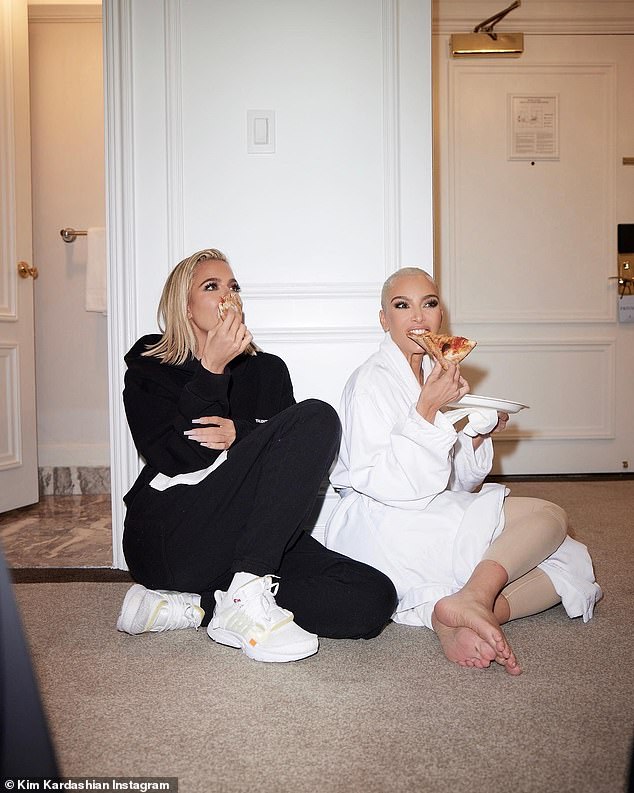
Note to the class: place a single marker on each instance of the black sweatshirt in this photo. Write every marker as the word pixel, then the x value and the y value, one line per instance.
pixel 162 399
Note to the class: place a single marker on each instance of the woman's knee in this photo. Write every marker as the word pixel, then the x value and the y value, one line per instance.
pixel 319 420
pixel 537 512
pixel 559 519
pixel 320 412
pixel 551 518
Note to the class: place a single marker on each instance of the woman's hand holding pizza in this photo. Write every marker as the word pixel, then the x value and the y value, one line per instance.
pixel 225 341
pixel 442 387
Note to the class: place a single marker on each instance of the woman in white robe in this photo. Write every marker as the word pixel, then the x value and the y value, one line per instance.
pixel 464 557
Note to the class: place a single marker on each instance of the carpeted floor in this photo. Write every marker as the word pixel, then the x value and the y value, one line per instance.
pixel 387 715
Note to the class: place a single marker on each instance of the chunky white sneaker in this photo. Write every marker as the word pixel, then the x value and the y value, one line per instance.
pixel 149 610
pixel 251 620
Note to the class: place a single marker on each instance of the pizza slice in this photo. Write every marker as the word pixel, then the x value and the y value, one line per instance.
pixel 232 301
pixel 444 349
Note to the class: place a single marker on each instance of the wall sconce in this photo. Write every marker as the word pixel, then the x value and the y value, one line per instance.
pixel 484 42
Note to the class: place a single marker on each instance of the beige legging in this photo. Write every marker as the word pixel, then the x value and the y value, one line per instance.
pixel 533 530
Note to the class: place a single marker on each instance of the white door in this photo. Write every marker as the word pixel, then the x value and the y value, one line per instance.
pixel 18 446
pixel 527 245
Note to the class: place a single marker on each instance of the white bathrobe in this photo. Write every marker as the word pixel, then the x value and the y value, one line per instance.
pixel 407 504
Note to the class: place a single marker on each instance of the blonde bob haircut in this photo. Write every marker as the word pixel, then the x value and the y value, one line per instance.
pixel 403 271
pixel 179 341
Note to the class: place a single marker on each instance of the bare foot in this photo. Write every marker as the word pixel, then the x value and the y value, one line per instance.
pixel 463 646
pixel 462 610
pixel 513 669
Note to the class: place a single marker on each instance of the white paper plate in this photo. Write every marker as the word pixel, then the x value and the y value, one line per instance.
pixel 475 401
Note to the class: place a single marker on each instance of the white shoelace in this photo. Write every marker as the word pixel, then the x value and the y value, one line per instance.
pixel 262 605
pixel 180 613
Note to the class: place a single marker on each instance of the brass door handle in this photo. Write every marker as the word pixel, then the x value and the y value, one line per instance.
pixel 24 271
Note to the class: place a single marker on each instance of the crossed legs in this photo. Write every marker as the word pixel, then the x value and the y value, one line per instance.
pixel 505 585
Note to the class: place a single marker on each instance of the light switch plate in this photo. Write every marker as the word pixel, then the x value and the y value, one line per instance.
pixel 626 308
pixel 260 131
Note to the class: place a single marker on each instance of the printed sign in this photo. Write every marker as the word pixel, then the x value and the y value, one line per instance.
pixel 533 127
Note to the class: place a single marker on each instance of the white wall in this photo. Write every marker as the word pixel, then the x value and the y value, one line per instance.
pixel 312 230
pixel 67 126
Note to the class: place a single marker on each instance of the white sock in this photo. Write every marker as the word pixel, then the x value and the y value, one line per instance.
pixel 240 579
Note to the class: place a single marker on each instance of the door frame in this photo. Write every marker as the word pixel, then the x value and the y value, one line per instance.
pixel 120 225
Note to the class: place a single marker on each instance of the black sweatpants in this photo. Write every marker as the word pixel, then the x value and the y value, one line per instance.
pixel 247 516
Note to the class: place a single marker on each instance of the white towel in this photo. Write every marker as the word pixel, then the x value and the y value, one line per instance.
pixel 96 296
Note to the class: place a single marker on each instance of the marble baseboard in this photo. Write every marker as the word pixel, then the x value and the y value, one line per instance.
pixel 70 480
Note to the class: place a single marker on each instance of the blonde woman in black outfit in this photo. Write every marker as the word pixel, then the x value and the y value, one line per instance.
pixel 213 532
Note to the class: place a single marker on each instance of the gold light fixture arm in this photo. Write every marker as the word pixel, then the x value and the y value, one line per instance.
pixel 488 24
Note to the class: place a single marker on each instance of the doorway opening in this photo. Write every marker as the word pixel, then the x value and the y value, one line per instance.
pixel 71 524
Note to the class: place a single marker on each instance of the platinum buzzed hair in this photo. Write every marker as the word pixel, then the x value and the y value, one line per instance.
pixel 403 271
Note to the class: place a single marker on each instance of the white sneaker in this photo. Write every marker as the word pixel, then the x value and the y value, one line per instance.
pixel 252 621
pixel 148 610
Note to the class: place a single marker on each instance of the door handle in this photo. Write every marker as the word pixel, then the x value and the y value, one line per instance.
pixel 24 271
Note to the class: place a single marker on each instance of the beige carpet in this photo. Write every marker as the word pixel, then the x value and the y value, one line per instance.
pixel 386 715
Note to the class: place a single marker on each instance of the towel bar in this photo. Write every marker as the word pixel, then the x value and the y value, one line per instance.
pixel 70 235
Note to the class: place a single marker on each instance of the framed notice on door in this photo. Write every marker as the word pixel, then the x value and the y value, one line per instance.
pixel 533 127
